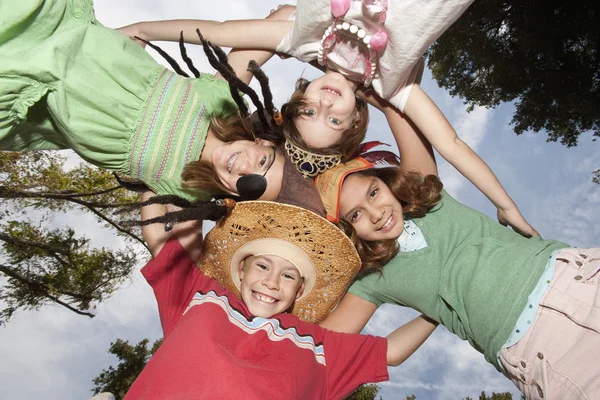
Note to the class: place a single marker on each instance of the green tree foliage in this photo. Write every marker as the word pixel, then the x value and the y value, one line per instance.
pixel 544 55
pixel 43 263
pixel 132 360
pixel 364 392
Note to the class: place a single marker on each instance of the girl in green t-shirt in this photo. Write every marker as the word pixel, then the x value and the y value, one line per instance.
pixel 530 305
pixel 66 81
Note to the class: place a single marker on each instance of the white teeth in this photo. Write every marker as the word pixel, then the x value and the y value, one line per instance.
pixel 332 91
pixel 264 299
pixel 231 161
pixel 387 223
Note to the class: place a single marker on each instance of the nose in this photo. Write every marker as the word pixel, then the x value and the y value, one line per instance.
pixel 271 281
pixel 375 214
pixel 244 167
pixel 326 102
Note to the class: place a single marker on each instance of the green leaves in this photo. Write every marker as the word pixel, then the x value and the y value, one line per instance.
pixel 132 360
pixel 45 261
pixel 544 56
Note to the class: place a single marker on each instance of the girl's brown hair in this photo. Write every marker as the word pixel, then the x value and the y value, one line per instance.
pixel 351 138
pixel 416 193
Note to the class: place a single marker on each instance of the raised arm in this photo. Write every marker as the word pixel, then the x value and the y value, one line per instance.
pixel 188 233
pixel 415 151
pixel 262 36
pixel 428 118
pixel 238 58
pixel 404 341
pixel 350 316
pixel 256 34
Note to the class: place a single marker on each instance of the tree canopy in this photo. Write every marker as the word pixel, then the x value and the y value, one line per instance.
pixel 132 360
pixel 543 55
pixel 44 261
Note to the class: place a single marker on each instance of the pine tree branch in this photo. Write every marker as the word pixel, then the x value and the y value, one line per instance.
pixel 40 290
pixel 89 205
pixel 117 227
pixel 8 193
pixel 26 243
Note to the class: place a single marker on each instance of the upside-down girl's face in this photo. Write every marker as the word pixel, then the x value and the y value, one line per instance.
pixel 372 209
pixel 243 157
pixel 331 110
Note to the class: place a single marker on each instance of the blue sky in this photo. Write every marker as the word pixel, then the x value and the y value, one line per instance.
pixel 55 354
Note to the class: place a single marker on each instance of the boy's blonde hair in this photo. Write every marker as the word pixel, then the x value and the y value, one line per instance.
pixel 351 137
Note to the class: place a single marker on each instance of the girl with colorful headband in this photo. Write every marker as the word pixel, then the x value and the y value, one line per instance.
pixel 531 306
pixel 238 309
pixel 360 43
pixel 68 82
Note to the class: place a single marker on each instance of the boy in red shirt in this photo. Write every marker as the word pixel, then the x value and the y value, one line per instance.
pixel 227 330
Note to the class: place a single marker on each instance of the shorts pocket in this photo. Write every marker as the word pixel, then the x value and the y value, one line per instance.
pixel 575 288
pixel 585 261
pixel 557 385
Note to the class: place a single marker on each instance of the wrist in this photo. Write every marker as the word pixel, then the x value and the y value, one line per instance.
pixel 507 207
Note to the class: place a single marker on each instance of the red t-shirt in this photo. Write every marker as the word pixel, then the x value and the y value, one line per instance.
pixel 213 348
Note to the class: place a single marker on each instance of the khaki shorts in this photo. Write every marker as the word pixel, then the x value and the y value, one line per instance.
pixel 559 356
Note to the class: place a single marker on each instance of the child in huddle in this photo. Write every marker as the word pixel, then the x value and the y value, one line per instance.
pixel 66 81
pixel 325 109
pixel 228 330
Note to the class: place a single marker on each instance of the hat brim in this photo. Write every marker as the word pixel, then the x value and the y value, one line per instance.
pixel 331 253
pixel 329 184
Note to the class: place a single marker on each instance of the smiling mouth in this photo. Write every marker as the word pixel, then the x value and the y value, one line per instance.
pixel 332 91
pixel 264 298
pixel 387 224
pixel 231 161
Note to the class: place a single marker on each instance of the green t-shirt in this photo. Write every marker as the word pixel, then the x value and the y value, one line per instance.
pixel 473 277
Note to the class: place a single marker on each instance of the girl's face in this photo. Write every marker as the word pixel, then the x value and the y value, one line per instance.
pixel 331 110
pixel 243 157
pixel 372 209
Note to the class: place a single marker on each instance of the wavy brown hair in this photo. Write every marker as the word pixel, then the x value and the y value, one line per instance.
pixel 201 174
pixel 416 193
pixel 351 137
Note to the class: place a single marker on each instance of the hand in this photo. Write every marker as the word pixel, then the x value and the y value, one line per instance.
pixel 517 222
pixel 132 31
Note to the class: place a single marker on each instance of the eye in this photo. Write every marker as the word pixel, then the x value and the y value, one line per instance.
pixel 335 121
pixel 263 162
pixel 289 276
pixel 309 111
pixel 373 193
pixel 354 216
pixel 262 266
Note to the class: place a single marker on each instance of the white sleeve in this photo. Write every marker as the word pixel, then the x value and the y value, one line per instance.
pixel 285 45
pixel 400 98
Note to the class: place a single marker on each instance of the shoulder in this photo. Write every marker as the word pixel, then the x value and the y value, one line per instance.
pixel 172 252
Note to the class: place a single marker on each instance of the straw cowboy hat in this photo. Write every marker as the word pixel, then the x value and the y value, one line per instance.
pixel 325 257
